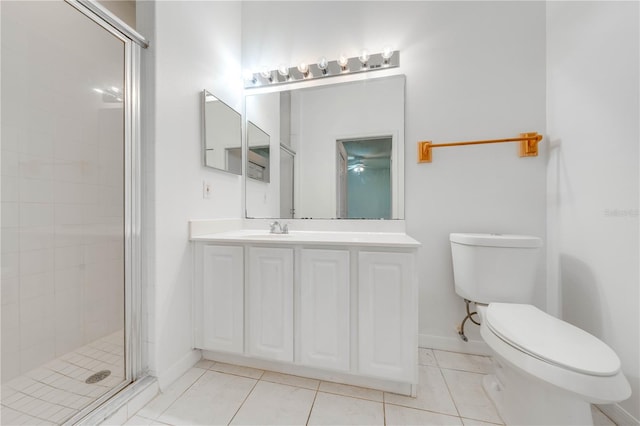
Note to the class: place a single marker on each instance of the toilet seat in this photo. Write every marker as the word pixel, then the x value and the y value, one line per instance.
pixel 551 340
pixel 592 388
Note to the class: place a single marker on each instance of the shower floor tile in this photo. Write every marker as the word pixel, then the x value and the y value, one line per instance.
pixel 56 391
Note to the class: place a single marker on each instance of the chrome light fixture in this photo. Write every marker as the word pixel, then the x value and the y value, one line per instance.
pixel 364 62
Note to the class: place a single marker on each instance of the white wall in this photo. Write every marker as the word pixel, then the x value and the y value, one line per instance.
pixel 474 70
pixel 193 46
pixel 592 110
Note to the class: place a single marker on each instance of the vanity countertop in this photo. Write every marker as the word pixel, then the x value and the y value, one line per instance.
pixel 258 236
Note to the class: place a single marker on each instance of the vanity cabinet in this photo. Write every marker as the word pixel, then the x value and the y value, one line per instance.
pixel 219 299
pixel 324 309
pixel 387 315
pixel 270 303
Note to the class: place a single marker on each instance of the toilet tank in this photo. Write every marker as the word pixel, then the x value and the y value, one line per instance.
pixel 495 267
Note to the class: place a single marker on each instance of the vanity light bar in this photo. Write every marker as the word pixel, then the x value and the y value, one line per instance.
pixel 323 69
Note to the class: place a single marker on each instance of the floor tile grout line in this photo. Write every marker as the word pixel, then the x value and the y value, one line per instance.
pixel 351 396
pixel 288 384
pixel 235 374
pixel 493 404
pixel 483 391
pixel 483 421
pixel 434 412
pixel 464 371
pixel 384 411
pixel 178 397
pixel 312 405
pixel 449 391
pixel 244 400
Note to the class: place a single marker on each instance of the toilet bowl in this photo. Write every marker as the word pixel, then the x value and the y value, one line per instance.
pixel 546 371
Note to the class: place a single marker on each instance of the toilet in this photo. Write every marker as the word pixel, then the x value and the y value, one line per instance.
pixel 546 371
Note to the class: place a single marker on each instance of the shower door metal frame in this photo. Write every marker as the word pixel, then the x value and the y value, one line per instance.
pixel 133 42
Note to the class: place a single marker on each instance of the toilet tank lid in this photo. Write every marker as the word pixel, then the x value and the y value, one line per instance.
pixel 496 240
pixel 548 338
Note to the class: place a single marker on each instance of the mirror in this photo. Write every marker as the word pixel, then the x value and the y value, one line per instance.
pixel 222 135
pixel 337 151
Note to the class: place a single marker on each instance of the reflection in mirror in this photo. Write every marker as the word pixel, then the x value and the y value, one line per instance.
pixel 287 173
pixel 364 178
pixel 258 142
pixel 222 135
pixel 342 151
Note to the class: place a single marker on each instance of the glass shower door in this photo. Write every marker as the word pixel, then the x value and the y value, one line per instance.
pixel 63 203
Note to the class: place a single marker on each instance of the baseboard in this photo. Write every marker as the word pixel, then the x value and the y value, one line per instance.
pixel 453 344
pixel 401 388
pixel 171 374
pixel 619 415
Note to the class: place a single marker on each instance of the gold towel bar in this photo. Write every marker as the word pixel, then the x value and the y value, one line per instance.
pixel 528 145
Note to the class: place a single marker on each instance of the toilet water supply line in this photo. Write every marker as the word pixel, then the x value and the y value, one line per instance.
pixel 468 317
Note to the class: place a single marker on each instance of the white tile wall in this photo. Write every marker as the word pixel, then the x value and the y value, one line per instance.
pixel 62 178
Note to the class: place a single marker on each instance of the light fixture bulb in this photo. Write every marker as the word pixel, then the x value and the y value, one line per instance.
pixel 364 57
pixel 283 70
pixel 323 64
pixel 304 69
pixel 266 74
pixel 387 53
pixel 343 61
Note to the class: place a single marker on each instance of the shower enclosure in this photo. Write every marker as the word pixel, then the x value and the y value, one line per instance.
pixel 69 210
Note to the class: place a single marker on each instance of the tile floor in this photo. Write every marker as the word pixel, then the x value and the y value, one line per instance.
pixel 57 390
pixel 449 393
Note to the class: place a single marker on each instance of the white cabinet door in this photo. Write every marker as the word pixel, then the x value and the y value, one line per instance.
pixel 270 303
pixel 324 309
pixel 222 298
pixel 387 318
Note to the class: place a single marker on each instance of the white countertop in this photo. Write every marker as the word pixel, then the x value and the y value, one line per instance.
pixel 258 236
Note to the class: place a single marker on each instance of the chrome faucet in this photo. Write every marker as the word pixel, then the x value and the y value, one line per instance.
pixel 277 228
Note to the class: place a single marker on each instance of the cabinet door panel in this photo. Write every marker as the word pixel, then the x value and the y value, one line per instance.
pixel 387 318
pixel 222 298
pixel 270 303
pixel 324 309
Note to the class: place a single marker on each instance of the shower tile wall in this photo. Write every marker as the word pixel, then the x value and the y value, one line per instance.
pixel 62 207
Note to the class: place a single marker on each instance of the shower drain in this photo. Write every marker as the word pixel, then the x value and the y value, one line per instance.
pixel 100 375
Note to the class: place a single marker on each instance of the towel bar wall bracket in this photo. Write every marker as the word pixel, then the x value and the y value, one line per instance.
pixel 528 146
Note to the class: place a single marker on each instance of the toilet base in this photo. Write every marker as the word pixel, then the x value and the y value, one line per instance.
pixel 524 400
